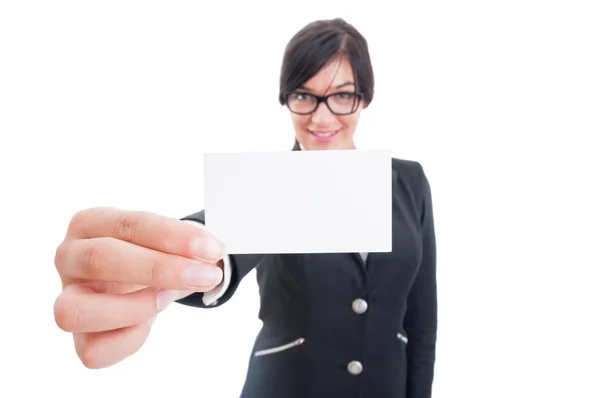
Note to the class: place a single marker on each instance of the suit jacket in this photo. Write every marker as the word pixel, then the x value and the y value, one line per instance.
pixel 335 325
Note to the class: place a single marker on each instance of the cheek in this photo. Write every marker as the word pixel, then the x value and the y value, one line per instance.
pixel 299 122
pixel 349 122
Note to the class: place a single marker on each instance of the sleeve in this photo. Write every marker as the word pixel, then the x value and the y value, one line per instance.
pixel 235 268
pixel 421 318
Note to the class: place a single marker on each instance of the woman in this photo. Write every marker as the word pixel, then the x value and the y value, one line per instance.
pixel 335 325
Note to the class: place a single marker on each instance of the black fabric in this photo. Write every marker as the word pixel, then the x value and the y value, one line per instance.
pixel 310 296
pixel 296 146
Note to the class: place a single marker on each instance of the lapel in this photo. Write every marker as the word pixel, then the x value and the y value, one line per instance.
pixel 359 259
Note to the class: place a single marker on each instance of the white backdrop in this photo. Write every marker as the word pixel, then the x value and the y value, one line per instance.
pixel 114 102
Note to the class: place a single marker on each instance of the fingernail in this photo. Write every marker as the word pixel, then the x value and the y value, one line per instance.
pixel 164 298
pixel 202 275
pixel 208 248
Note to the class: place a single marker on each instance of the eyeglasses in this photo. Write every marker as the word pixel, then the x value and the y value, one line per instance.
pixel 340 103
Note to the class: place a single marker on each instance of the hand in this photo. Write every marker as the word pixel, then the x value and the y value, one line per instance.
pixel 119 269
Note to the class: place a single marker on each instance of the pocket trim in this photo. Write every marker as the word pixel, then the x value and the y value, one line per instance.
pixel 403 338
pixel 283 347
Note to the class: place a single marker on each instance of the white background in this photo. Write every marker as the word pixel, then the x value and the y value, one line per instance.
pixel 114 102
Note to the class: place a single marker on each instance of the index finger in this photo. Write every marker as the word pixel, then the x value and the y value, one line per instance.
pixel 150 230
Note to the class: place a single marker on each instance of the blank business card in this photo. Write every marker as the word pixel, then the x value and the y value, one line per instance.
pixel 334 201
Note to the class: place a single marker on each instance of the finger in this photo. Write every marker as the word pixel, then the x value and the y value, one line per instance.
pixel 79 310
pixel 100 350
pixel 164 234
pixel 112 260
pixel 108 287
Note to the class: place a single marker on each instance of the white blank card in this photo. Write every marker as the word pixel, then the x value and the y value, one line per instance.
pixel 300 201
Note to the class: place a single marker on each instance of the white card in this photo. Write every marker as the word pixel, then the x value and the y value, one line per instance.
pixel 334 201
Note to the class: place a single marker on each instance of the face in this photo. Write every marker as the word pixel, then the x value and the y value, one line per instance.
pixel 323 129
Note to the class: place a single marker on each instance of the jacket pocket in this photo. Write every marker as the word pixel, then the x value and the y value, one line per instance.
pixel 280 348
pixel 402 338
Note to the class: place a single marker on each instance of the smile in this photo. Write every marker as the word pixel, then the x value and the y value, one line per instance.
pixel 324 135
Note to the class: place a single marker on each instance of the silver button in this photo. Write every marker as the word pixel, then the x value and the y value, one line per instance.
pixel 355 368
pixel 359 306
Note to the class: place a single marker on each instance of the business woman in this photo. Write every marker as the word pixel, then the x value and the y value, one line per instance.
pixel 334 325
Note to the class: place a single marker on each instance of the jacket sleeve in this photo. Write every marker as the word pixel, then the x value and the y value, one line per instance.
pixel 421 317
pixel 236 268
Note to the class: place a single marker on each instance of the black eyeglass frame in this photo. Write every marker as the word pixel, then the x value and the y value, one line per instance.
pixel 324 98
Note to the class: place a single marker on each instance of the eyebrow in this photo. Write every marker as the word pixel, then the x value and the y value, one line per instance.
pixel 303 87
pixel 345 84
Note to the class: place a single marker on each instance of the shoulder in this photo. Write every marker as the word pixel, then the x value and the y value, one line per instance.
pixel 407 168
pixel 410 179
pixel 409 173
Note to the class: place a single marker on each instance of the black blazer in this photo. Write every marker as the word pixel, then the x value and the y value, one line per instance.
pixel 337 326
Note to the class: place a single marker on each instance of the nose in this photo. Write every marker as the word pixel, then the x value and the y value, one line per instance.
pixel 322 115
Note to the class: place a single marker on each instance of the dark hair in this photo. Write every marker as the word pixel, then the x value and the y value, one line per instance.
pixel 315 45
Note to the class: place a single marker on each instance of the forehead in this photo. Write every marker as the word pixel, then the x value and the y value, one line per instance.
pixel 335 73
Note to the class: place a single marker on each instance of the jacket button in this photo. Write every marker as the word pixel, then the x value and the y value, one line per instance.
pixel 355 368
pixel 359 306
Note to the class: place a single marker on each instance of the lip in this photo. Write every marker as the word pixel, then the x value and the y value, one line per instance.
pixel 324 139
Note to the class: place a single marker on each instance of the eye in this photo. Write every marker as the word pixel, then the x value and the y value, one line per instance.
pixel 300 97
pixel 344 96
